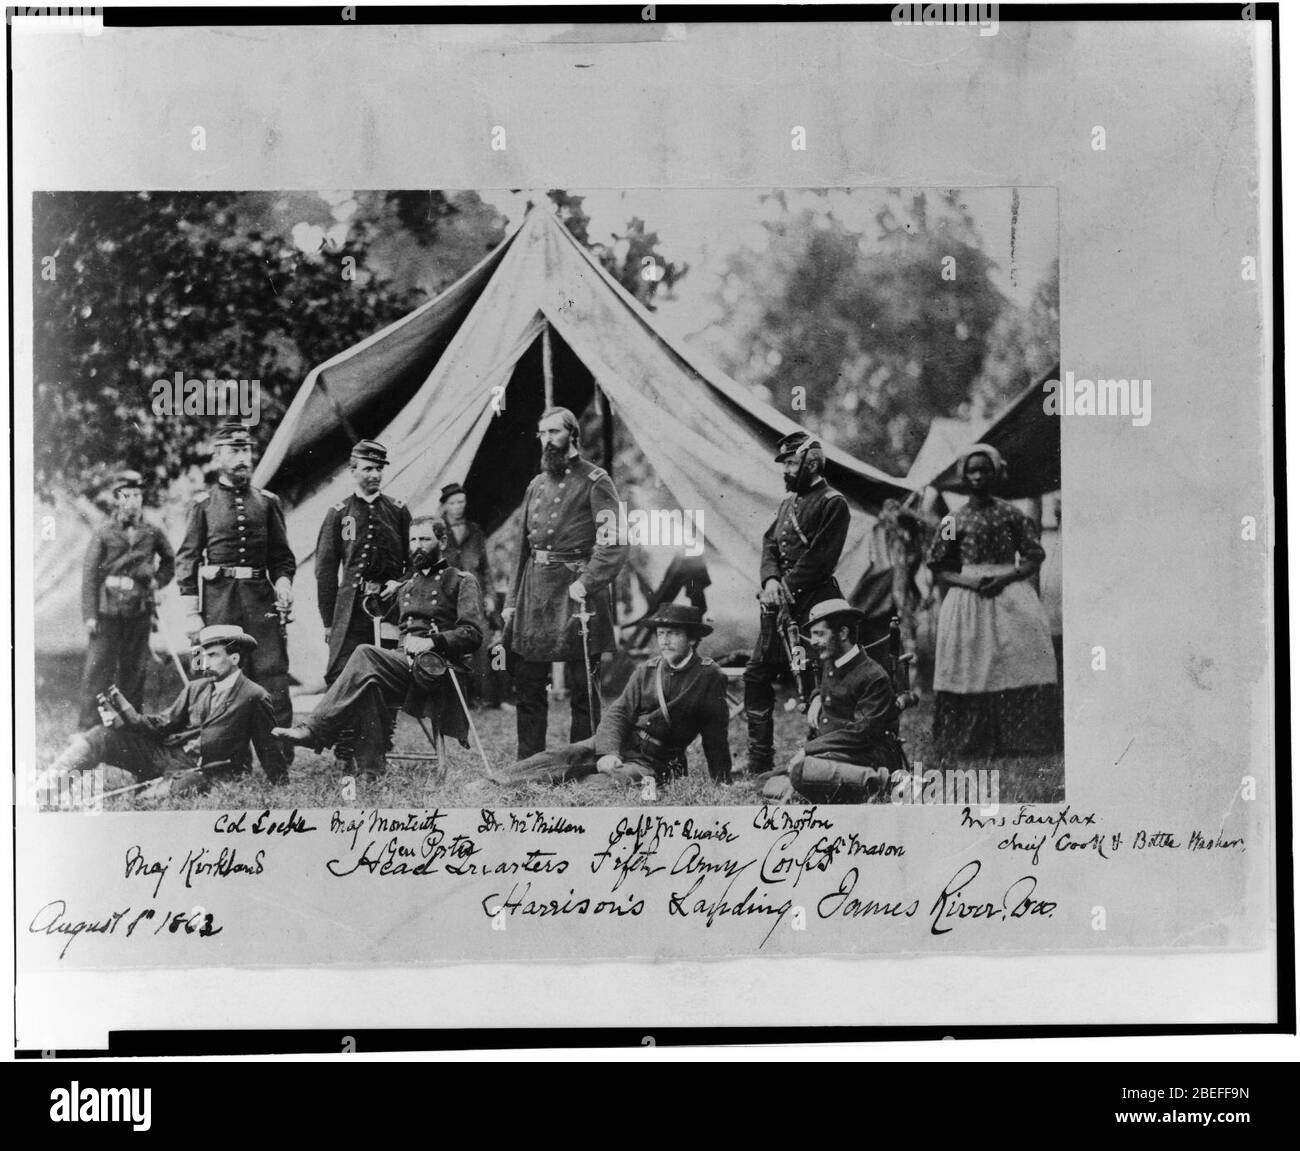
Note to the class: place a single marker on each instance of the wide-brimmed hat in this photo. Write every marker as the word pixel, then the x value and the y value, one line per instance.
pixel 229 635
pixel 678 615
pixel 829 609
pixel 371 452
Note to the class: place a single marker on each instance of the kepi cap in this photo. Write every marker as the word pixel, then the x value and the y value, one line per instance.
pixel 794 442
pixel 371 451
pixel 127 479
pixel 450 490
pixel 233 434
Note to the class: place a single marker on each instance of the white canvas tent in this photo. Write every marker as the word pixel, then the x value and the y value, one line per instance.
pixel 454 390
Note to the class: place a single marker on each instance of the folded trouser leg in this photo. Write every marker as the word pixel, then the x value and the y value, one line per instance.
pixel 573 761
pixel 136 750
pixel 368 718
pixel 369 667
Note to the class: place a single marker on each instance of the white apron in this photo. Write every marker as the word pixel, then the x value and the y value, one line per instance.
pixel 992 643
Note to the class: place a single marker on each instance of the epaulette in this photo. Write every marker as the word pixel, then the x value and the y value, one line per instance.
pixel 202 497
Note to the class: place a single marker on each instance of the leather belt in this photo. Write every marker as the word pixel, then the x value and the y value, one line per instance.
pixel 541 556
pixel 212 571
pixel 664 751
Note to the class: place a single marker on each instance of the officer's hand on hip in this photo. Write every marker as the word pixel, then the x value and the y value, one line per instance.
pixel 578 590
pixel 284 592
pixel 507 615
pixel 92 627
pixel 417 644
pixel 193 625
pixel 327 637
pixel 770 596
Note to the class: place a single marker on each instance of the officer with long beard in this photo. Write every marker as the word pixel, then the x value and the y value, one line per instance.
pixel 566 565
pixel 800 552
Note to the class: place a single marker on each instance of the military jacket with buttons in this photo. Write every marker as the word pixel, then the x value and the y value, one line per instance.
pixel 367 540
pixel 803 545
pixel 852 714
pixel 446 601
pixel 118 572
pixel 233 528
pixel 239 528
pixel 569 533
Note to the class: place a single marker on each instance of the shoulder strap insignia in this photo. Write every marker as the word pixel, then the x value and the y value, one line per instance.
pixel 338 507
pixel 269 495
pixel 596 474
pixel 202 497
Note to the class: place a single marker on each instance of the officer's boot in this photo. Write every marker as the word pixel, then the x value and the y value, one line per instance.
pixel 77 756
pixel 760 704
pixel 345 752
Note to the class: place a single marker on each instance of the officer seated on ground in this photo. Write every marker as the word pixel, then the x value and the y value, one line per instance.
pixel 204 735
pixel 852 749
pixel 669 701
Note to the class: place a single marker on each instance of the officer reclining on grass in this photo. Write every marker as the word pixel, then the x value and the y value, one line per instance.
pixel 203 736
pixel 669 701
pixel 851 749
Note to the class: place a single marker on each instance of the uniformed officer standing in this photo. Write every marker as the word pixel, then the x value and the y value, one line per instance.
pixel 365 536
pixel 565 564
pixel 126 562
pixel 800 552
pixel 235 565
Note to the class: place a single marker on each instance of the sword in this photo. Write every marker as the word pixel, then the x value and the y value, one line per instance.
pixel 478 743
pixel 582 615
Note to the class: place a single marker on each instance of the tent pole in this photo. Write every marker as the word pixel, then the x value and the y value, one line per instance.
pixel 607 430
pixel 548 378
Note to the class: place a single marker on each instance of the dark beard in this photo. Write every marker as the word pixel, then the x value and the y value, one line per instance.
pixel 554 460
pixel 802 483
pixel 424 558
pixel 237 481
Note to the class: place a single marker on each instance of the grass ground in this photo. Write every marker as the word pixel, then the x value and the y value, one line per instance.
pixel 314 782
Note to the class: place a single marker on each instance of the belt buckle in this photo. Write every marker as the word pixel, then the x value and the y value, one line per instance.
pixel 241 572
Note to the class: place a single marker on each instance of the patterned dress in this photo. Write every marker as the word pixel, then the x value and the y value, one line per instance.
pixel 995 669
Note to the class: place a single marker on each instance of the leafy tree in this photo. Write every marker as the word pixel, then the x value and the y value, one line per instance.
pixel 871 332
pixel 141 285
pixel 145 285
